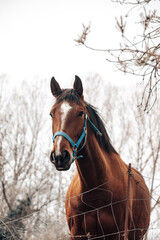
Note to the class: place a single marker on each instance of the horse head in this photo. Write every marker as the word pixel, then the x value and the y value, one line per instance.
pixel 68 123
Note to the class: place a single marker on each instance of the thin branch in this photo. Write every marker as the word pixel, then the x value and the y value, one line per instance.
pixel 5 196
pixel 8 229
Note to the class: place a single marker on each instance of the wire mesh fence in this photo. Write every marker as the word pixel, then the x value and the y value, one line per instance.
pixel 33 226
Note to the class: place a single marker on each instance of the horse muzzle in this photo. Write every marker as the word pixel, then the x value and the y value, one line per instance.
pixel 62 161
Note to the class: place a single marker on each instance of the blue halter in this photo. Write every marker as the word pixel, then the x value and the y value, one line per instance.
pixel 83 136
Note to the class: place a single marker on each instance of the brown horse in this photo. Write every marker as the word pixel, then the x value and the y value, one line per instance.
pixel 96 198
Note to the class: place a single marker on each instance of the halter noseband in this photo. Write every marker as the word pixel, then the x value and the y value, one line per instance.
pixel 76 145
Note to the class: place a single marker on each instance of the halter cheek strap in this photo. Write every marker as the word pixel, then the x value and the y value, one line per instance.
pixel 76 145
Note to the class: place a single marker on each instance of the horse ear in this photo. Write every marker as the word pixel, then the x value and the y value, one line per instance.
pixel 55 88
pixel 78 87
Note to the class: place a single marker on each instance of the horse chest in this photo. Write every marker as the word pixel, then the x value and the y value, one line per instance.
pixel 91 208
pixel 89 219
pixel 91 200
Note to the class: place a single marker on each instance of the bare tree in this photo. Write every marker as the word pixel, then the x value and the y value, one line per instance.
pixel 25 169
pixel 138 55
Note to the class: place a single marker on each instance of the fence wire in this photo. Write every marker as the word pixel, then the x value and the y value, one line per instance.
pixel 11 231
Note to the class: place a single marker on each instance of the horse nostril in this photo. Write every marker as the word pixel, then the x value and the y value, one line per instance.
pixel 52 158
pixel 66 155
pixel 60 160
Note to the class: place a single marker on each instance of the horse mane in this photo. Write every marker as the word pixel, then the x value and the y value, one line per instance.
pixel 104 140
pixel 70 95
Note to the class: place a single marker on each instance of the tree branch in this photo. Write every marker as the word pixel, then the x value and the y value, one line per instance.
pixel 5 196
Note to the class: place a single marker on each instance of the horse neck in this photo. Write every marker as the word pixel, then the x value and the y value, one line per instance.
pixel 95 166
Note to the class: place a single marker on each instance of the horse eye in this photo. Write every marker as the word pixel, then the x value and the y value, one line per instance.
pixel 51 115
pixel 80 114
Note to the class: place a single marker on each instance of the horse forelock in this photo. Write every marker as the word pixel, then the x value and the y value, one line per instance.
pixel 69 95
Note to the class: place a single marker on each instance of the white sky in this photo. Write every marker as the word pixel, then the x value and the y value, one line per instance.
pixel 37 38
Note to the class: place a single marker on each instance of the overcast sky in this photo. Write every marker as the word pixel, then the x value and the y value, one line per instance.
pixel 37 38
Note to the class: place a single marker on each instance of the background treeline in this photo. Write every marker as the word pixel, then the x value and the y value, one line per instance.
pixel 32 192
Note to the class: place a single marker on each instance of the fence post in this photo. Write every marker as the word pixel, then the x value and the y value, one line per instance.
pixel 127 203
